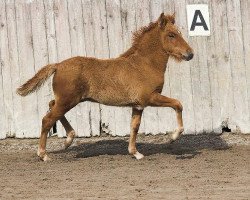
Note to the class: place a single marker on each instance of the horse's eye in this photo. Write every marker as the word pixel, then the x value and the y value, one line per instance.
pixel 171 35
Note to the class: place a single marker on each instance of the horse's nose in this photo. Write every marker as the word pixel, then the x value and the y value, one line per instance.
pixel 189 56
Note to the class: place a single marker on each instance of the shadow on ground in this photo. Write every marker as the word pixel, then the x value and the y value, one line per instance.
pixel 187 147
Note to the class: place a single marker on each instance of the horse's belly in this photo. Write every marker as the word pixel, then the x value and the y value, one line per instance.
pixel 111 98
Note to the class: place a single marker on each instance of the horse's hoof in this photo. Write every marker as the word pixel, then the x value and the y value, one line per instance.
pixel 46 158
pixel 43 156
pixel 176 134
pixel 68 142
pixel 138 155
pixel 69 139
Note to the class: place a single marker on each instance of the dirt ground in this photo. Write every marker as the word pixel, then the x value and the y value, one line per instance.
pixel 195 167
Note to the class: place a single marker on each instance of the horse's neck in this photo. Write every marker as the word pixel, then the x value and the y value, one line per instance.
pixel 150 48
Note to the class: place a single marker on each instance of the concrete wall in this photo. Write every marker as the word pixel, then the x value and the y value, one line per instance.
pixel 214 87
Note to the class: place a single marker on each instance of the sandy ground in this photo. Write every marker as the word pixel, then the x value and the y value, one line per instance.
pixel 194 167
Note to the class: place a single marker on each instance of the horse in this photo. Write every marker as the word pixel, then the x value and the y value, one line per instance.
pixel 134 79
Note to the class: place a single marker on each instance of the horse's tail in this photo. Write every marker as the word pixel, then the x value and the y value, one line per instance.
pixel 37 81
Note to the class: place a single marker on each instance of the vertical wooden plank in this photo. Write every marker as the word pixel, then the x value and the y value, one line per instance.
pixel 90 41
pixel 196 84
pixel 245 18
pixel 27 116
pixel 89 45
pixel 185 92
pixel 220 53
pixel 50 30
pixel 151 117
pixel 142 13
pixel 167 119
pixel 101 44
pixel 213 74
pixel 3 118
pixel 241 113
pixel 100 29
pixel 78 48
pixel 200 83
pixel 143 19
pixel 63 49
pixel 128 22
pixel 13 62
pixel 204 89
pixel 51 40
pixel 118 118
pixel 108 114
pixel 40 55
pixel 6 81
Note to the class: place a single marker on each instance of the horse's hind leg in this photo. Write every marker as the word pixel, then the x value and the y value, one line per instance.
pixel 68 128
pixel 56 112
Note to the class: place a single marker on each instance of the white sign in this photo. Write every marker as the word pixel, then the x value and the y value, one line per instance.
pixel 198 20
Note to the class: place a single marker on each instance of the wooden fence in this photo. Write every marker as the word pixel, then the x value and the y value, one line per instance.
pixel 214 87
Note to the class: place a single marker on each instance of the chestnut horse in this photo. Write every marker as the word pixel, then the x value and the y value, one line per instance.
pixel 137 81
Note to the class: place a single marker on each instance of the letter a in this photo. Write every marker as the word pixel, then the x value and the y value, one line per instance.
pixel 197 14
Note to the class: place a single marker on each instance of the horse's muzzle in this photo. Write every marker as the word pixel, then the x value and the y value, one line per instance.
pixel 189 56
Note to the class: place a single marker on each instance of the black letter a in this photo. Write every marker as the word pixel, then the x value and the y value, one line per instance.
pixel 197 14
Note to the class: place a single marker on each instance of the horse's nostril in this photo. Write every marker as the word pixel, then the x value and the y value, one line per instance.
pixel 190 56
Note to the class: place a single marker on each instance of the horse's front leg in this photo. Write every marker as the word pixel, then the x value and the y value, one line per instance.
pixel 135 124
pixel 162 101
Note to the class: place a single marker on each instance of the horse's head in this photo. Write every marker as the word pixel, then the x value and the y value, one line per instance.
pixel 172 40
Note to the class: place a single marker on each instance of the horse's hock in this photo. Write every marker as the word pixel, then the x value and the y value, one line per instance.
pixel 214 91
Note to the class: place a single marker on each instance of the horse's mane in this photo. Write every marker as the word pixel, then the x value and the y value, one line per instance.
pixel 137 35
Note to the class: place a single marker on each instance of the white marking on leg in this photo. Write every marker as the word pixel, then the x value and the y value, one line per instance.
pixel 43 155
pixel 46 158
pixel 177 133
pixel 69 139
pixel 138 155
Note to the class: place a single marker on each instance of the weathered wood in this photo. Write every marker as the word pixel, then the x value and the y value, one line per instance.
pixel 27 118
pixel 241 112
pixel 221 54
pixel 78 49
pixel 6 80
pixel 186 97
pixel 64 50
pixel 167 116
pixel 118 119
pixel 245 17
pixel 13 61
pixel 90 52
pixel 101 47
pixel 128 23
pixel 40 54
pixel 214 87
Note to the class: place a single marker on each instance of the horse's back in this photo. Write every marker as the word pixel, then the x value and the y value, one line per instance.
pixel 107 81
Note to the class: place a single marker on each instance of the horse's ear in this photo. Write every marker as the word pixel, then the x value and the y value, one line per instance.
pixel 173 18
pixel 162 21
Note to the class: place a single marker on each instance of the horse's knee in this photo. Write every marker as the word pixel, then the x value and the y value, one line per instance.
pixel 178 106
